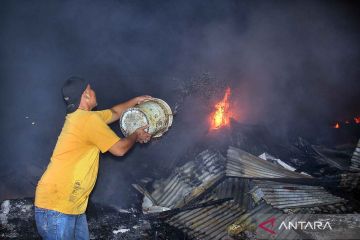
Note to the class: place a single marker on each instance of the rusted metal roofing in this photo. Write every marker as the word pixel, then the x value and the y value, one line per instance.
pixel 350 181
pixel 236 188
pixel 268 157
pixel 212 222
pixel 204 223
pixel 332 157
pixel 245 226
pixel 250 220
pixel 285 196
pixel 355 160
pixel 189 181
pixel 209 222
pixel 243 164
pixel 248 223
pixel 341 207
pixel 258 188
pixel 345 181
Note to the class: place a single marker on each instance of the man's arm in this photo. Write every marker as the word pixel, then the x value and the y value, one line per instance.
pixel 122 146
pixel 118 109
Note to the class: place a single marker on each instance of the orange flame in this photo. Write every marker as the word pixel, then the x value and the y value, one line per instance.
pixel 221 116
pixel 347 122
pixel 357 120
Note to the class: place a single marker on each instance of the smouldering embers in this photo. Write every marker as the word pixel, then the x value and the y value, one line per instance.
pixel 355 120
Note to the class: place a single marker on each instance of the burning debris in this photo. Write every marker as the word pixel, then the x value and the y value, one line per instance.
pixel 223 191
pixel 357 120
pixel 232 178
pixel 221 116
pixel 216 99
pixel 353 121
pixel 247 187
pixel 204 85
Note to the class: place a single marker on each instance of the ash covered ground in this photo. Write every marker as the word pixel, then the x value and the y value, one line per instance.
pixel 17 222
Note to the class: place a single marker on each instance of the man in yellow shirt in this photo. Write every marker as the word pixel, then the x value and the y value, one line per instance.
pixel 63 191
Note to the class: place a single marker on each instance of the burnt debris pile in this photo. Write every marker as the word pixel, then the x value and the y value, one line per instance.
pixel 235 180
pixel 222 188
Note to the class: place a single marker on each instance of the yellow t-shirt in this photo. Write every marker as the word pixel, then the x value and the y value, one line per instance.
pixel 71 174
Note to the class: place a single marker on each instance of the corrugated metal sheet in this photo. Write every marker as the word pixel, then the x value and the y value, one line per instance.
pixel 332 157
pixel 243 164
pixel 249 220
pixel 212 222
pixel 342 207
pixel 285 196
pixel 248 224
pixel 236 188
pixel 346 181
pixel 350 181
pixel 190 181
pixel 259 188
pixel 355 160
pixel 209 222
pixel 268 157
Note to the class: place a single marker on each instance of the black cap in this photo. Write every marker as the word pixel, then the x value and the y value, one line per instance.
pixel 72 90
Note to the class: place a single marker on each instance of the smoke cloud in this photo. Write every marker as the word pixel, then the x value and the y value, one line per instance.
pixel 290 65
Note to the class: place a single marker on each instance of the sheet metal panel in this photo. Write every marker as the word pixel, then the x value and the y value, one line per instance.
pixel 191 180
pixel 355 160
pixel 237 188
pixel 209 222
pixel 283 196
pixel 243 164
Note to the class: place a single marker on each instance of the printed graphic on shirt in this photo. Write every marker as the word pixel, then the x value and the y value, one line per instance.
pixel 75 192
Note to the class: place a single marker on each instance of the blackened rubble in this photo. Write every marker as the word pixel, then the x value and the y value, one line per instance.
pixel 355 159
pixel 257 185
pixel 17 222
pixel 220 189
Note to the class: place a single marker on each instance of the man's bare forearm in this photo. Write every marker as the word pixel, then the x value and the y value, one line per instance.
pixel 121 107
pixel 128 142
pixel 124 145
pixel 118 110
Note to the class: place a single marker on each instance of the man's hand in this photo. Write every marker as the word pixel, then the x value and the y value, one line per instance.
pixel 117 110
pixel 142 135
pixel 143 98
pixel 122 146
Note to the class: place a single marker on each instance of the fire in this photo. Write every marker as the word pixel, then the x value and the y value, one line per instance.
pixel 347 122
pixel 357 120
pixel 222 114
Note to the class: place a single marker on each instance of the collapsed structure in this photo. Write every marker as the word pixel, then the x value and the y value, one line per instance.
pixel 217 197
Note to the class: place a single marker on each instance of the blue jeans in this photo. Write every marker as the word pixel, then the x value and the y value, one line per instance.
pixel 53 225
